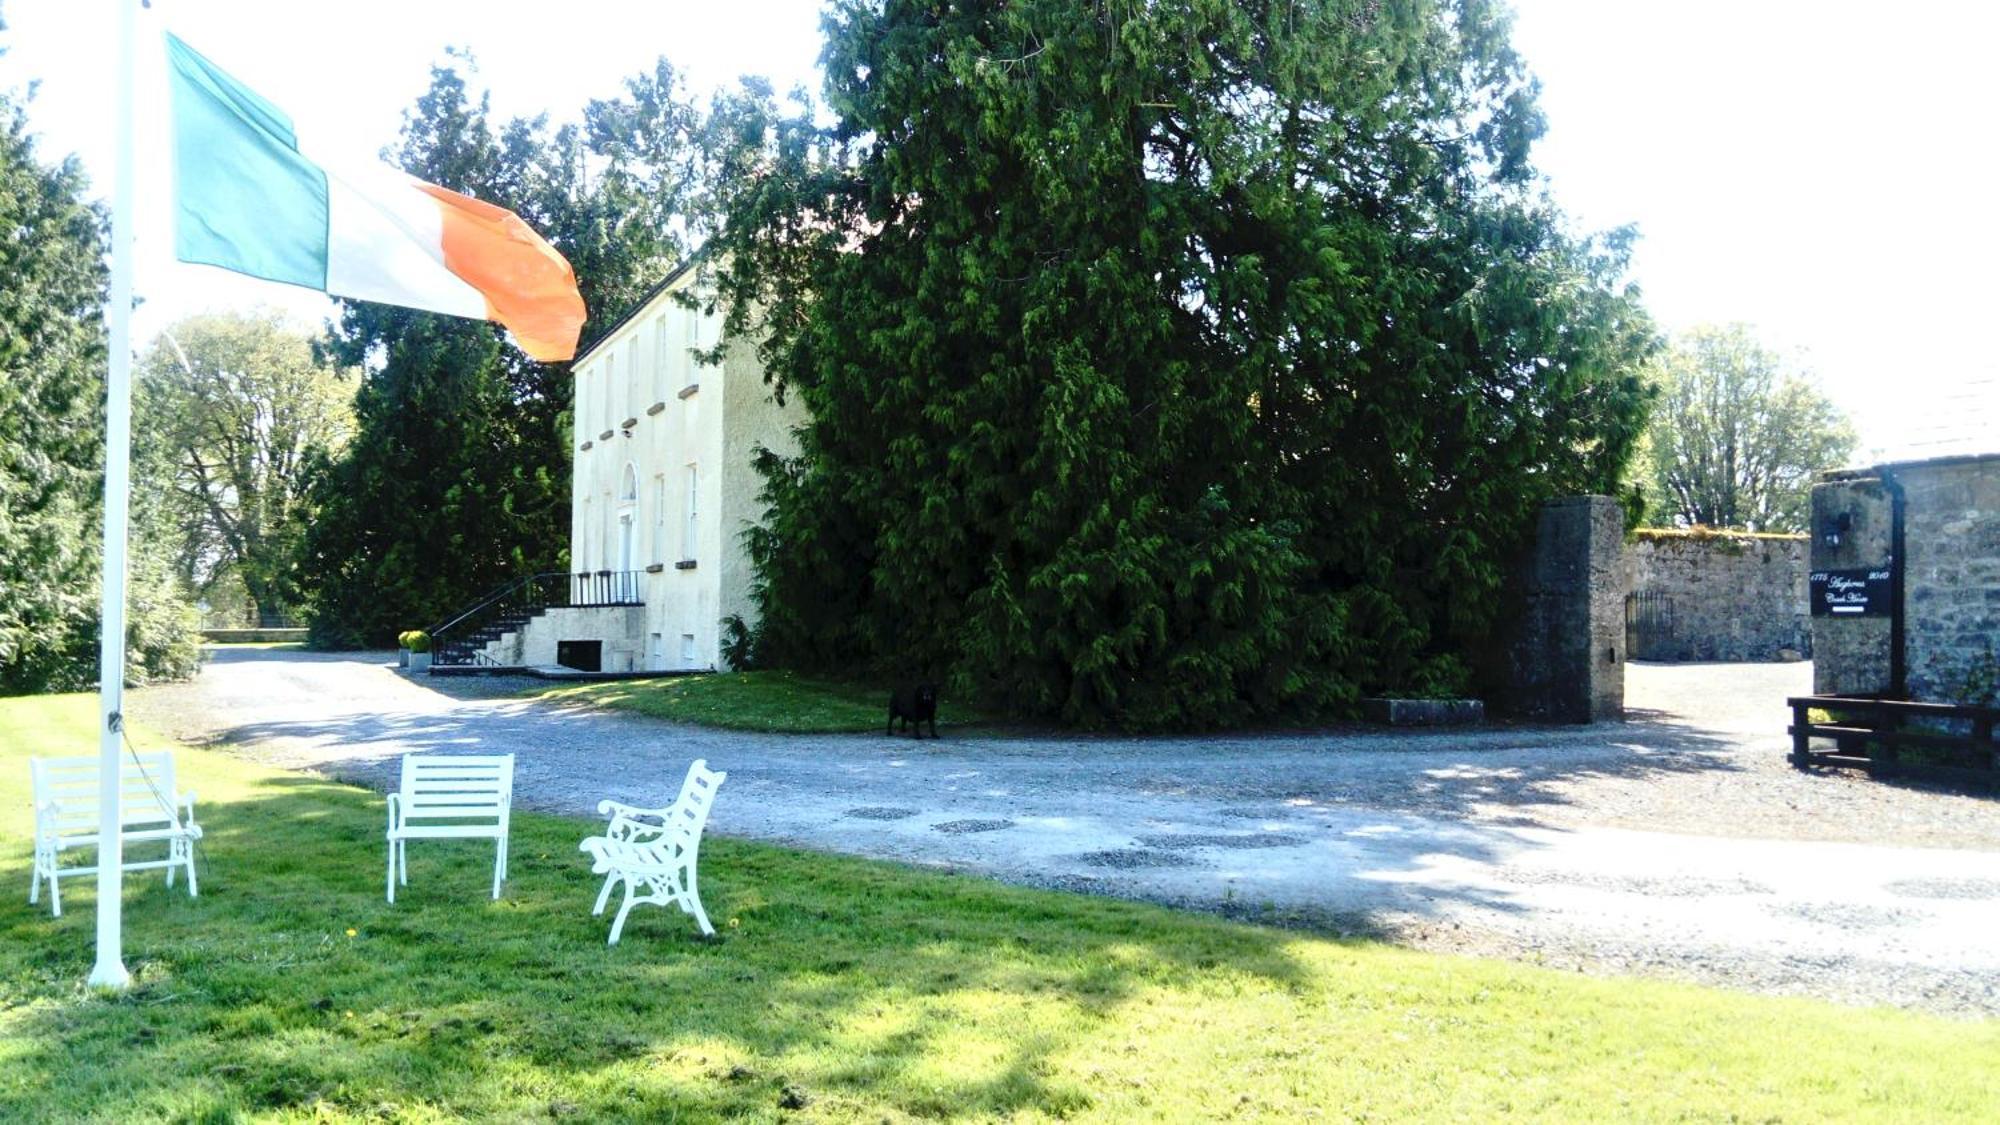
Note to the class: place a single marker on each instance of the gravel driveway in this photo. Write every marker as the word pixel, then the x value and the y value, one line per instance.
pixel 1676 844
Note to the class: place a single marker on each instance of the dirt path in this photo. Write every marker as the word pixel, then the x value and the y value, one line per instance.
pixel 1679 844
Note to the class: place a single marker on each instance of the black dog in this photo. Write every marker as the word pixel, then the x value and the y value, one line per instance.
pixel 915 705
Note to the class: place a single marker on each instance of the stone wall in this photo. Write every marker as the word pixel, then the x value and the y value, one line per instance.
pixel 1950 577
pixel 534 645
pixel 1566 655
pixel 1717 596
pixel 1951 540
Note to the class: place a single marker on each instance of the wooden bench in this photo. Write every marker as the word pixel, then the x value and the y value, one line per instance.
pixel 450 796
pixel 149 811
pixel 656 849
pixel 1952 743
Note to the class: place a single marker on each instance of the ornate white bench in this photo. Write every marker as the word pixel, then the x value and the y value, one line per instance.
pixel 654 851
pixel 450 796
pixel 149 810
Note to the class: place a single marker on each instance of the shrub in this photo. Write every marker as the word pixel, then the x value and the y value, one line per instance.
pixel 416 640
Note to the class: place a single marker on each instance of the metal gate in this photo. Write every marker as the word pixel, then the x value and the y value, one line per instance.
pixel 1649 626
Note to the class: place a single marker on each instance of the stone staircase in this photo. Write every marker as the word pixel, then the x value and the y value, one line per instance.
pixel 466 641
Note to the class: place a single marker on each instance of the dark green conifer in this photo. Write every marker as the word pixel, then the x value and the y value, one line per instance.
pixel 1169 364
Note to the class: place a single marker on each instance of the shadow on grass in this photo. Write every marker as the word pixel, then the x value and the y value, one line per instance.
pixel 831 979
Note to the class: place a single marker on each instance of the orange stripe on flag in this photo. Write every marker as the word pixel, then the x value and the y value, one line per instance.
pixel 529 286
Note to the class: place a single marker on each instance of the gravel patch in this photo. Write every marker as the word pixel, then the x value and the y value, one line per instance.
pixel 1850 915
pixel 1945 888
pixel 1242 813
pixel 1675 887
pixel 967 827
pixel 1126 859
pixel 880 812
pixel 1185 840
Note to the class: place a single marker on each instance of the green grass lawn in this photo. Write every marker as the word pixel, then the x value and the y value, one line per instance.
pixel 838 990
pixel 781 702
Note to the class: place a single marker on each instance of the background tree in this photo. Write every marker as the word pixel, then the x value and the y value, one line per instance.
pixel 52 360
pixel 233 410
pixel 1169 364
pixel 458 477
pixel 1736 437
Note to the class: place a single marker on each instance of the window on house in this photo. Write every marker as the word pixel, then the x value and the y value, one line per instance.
pixel 660 364
pixel 607 551
pixel 581 540
pixel 687 650
pixel 691 329
pixel 628 484
pixel 660 519
pixel 693 512
pixel 633 376
pixel 579 409
pixel 610 391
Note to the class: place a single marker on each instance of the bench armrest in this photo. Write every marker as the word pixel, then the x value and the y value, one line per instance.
pixel 186 802
pixel 631 824
pixel 46 812
pixel 620 808
pixel 395 810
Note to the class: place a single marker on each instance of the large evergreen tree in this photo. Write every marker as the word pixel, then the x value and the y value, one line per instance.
pixel 1168 364
pixel 52 360
pixel 458 477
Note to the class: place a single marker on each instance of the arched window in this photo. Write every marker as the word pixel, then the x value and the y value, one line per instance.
pixel 628 485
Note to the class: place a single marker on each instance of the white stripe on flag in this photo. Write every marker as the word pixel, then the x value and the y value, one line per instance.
pixel 385 242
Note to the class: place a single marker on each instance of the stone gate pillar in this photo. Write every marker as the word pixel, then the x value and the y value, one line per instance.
pixel 1853 532
pixel 1567 657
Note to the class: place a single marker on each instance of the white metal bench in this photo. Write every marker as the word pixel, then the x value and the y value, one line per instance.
pixel 450 796
pixel 149 811
pixel 654 852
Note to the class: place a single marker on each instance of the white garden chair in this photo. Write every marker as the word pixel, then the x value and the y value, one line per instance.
pixel 654 852
pixel 149 811
pixel 450 796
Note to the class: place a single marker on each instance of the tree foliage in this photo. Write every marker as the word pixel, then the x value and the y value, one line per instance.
pixel 1168 364
pixel 457 480
pixel 1736 437
pixel 234 410
pixel 52 360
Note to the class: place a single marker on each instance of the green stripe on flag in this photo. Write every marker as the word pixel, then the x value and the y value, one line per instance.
pixel 244 199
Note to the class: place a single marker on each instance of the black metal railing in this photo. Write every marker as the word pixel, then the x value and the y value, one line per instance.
pixel 461 642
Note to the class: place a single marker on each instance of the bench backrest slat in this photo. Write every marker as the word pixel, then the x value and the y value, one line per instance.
pixel 146 791
pixel 690 810
pixel 457 788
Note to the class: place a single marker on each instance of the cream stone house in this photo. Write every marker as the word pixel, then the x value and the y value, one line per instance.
pixel 662 488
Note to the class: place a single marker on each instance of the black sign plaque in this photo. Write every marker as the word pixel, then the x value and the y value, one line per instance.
pixel 1862 592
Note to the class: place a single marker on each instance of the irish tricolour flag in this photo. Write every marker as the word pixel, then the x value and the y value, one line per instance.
pixel 251 195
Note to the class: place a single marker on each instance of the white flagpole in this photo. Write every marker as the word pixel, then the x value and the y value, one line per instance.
pixel 109 972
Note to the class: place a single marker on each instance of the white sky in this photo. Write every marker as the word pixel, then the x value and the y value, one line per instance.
pixel 1817 168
